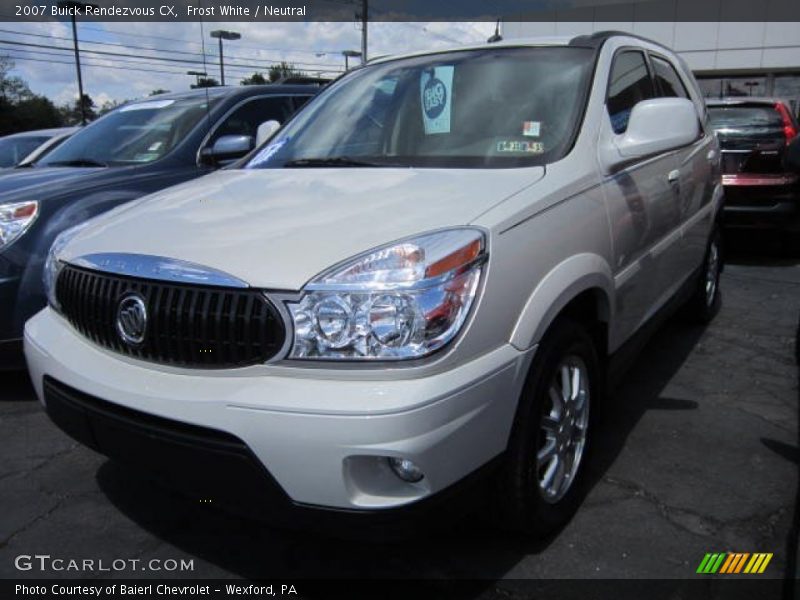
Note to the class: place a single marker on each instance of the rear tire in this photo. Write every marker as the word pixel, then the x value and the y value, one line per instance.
pixel 543 480
pixel 707 298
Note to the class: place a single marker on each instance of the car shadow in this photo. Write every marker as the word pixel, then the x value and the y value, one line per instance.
pixel 792 454
pixel 761 248
pixel 471 549
pixel 16 386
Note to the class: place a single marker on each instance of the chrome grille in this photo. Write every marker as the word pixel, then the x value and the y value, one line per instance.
pixel 188 325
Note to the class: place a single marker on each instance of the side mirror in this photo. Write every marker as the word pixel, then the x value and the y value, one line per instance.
pixel 228 148
pixel 791 156
pixel 265 131
pixel 654 126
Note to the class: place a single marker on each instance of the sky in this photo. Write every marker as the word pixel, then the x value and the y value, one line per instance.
pixel 315 47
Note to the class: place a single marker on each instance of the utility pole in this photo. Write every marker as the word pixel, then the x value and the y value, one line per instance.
pixel 364 21
pixel 75 7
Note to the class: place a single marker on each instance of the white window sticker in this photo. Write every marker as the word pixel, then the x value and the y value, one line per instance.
pixel 147 105
pixel 531 128
pixel 268 152
pixel 436 88
pixel 517 146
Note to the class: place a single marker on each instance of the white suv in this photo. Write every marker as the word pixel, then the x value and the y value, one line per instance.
pixel 415 287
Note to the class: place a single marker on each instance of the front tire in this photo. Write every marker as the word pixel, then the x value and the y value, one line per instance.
pixel 542 483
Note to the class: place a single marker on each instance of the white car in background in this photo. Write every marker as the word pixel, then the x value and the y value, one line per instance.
pixel 22 149
pixel 417 284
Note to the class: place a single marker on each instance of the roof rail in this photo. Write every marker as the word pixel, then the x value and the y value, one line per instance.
pixel 598 38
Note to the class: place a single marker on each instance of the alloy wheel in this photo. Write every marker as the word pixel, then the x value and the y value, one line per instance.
pixel 564 426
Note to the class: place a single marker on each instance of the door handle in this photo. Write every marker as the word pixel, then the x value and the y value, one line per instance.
pixel 674 176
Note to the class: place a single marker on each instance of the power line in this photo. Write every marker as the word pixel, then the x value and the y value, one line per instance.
pixel 197 54
pixel 173 40
pixel 183 61
pixel 99 66
pixel 180 70
pixel 56 62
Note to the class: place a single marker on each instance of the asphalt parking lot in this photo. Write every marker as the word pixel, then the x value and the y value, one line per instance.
pixel 698 453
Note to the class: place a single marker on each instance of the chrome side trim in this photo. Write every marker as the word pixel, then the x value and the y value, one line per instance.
pixel 156 267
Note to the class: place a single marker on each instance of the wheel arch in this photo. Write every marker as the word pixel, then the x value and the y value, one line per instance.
pixel 580 287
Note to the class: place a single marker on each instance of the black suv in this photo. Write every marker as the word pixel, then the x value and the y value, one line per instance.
pixel 137 149
pixel 753 135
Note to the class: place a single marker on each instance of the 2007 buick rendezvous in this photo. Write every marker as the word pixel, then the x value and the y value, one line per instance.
pixel 417 282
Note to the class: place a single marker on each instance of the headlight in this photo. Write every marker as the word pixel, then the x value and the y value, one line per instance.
pixel 15 219
pixel 53 266
pixel 401 301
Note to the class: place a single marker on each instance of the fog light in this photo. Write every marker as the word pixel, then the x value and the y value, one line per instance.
pixel 406 470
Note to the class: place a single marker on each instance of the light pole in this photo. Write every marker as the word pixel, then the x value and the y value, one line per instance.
pixel 73 8
pixel 348 54
pixel 198 75
pixel 221 34
pixel 496 37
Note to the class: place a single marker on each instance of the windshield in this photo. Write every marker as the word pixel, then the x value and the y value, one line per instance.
pixel 13 150
pixel 133 134
pixel 496 107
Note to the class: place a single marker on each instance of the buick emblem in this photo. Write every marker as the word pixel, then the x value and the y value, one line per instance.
pixel 132 319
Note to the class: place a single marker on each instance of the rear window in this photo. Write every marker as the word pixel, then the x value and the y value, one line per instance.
pixel 738 117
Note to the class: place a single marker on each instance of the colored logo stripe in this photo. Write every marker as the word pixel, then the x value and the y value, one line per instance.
pixel 734 562
pixel 711 562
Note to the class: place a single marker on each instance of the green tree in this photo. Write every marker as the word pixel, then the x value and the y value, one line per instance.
pixel 20 108
pixel 255 79
pixel 108 106
pixel 12 89
pixel 71 113
pixel 37 112
pixel 204 82
pixel 282 71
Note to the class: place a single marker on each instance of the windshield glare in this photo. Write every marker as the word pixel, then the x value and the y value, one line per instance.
pixel 136 133
pixel 499 107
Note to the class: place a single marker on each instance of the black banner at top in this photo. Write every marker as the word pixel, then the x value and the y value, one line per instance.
pixel 612 11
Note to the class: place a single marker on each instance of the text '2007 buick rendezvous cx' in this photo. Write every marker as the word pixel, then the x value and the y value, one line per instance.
pixel 412 290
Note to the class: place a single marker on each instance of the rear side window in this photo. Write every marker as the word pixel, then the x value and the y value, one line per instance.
pixel 246 119
pixel 299 101
pixel 667 79
pixel 630 84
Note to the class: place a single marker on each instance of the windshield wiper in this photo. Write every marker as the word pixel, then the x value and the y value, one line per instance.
pixel 78 162
pixel 338 161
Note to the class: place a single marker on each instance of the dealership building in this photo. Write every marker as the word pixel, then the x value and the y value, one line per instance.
pixel 728 58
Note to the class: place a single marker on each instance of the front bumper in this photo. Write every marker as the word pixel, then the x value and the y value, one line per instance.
pixel 317 436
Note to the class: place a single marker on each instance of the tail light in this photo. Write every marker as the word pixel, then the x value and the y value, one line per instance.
pixel 789 130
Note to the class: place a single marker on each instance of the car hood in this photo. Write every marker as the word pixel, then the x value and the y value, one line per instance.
pixel 36 183
pixel 278 228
